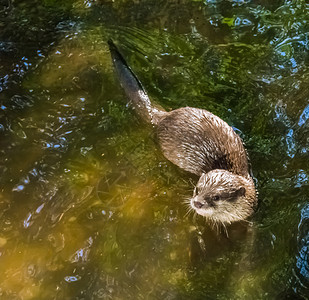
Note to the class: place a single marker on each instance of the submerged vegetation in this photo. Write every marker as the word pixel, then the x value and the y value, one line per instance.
pixel 89 207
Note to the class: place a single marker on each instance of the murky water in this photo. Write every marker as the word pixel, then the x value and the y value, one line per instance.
pixel 89 207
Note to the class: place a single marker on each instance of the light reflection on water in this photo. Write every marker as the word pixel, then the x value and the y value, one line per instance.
pixel 302 258
pixel 89 208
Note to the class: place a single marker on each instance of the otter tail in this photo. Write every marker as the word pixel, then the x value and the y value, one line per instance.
pixel 134 89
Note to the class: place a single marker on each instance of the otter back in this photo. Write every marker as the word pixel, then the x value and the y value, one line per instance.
pixel 198 141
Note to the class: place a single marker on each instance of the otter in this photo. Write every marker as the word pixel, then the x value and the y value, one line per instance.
pixel 201 143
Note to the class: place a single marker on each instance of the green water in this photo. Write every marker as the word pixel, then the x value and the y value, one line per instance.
pixel 89 207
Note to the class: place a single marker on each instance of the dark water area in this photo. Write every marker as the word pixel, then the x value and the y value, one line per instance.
pixel 90 208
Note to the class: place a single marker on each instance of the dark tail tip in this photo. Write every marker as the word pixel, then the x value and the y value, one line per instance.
pixel 116 54
pixel 111 45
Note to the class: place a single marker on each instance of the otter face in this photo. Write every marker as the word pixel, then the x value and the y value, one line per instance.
pixel 223 197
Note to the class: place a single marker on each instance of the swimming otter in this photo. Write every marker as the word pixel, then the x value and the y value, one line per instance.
pixel 200 143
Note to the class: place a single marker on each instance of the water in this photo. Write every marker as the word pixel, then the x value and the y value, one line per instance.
pixel 89 207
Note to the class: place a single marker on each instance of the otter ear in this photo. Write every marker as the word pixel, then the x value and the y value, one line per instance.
pixel 241 191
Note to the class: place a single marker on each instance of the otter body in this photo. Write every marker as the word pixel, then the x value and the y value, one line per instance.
pixel 201 143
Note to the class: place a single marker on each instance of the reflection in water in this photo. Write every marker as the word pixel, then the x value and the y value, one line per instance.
pixel 89 209
pixel 302 258
pixel 304 116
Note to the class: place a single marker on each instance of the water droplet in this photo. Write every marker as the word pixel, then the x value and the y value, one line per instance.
pixel 72 278
pixel 27 221
pixel 18 188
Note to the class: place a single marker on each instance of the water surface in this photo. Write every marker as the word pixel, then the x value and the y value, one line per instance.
pixel 89 207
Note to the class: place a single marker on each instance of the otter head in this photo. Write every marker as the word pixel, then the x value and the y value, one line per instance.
pixel 223 197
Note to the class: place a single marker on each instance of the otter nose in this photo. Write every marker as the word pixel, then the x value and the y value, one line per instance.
pixel 197 204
